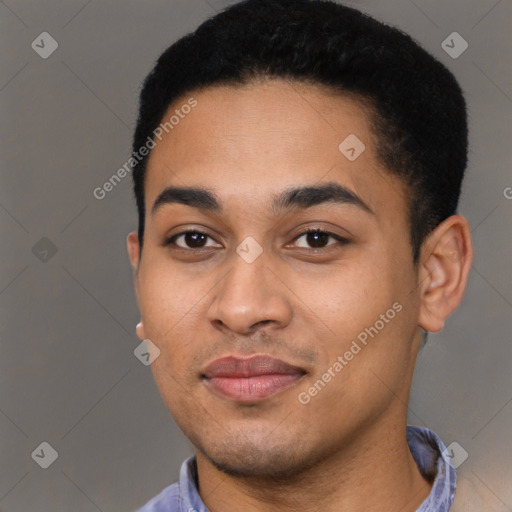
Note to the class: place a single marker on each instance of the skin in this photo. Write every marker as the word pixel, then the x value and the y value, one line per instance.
pixel 346 449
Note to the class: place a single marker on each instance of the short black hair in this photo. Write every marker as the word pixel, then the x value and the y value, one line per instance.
pixel 418 109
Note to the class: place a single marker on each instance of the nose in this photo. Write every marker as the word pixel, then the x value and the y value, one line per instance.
pixel 248 297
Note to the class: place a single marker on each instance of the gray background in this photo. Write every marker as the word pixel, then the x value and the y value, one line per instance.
pixel 68 375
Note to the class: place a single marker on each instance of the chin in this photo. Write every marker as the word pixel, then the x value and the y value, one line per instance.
pixel 246 459
pixel 261 465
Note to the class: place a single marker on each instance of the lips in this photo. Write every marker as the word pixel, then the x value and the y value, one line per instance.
pixel 250 379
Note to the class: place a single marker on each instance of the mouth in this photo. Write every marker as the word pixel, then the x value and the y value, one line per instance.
pixel 250 379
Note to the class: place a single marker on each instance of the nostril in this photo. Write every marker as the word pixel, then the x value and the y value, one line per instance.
pixel 219 323
pixel 262 322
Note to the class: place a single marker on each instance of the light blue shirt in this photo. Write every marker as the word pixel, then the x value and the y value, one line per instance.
pixel 427 450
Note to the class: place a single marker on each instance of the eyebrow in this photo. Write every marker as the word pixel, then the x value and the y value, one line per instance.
pixel 300 197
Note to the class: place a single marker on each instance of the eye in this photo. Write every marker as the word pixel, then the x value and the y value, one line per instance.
pixel 191 239
pixel 313 239
pixel 318 239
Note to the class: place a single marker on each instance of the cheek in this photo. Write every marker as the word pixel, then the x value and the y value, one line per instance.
pixel 172 308
pixel 176 391
pixel 167 297
pixel 367 303
pixel 348 298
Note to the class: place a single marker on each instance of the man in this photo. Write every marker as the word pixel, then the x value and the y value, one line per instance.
pixel 298 232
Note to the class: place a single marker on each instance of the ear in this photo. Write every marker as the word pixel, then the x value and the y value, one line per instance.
pixel 445 260
pixel 133 246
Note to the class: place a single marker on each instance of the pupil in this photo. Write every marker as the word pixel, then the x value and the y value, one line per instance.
pixel 317 239
pixel 195 239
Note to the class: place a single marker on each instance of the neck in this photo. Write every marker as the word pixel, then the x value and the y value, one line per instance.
pixel 374 472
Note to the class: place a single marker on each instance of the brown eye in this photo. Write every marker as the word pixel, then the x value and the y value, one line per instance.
pixel 318 239
pixel 190 240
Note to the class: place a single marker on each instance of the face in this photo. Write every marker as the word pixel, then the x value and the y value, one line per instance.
pixel 287 322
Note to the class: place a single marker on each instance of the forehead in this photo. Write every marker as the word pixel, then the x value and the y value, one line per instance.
pixel 253 141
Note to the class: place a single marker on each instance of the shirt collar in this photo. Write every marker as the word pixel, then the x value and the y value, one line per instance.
pixel 432 459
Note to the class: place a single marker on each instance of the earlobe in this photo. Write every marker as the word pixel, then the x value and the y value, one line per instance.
pixel 445 262
pixel 141 332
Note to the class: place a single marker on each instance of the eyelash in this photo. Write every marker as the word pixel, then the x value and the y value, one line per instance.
pixel 342 241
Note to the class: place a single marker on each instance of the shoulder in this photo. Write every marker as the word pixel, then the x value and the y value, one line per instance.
pixel 179 496
pixel 167 500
